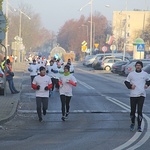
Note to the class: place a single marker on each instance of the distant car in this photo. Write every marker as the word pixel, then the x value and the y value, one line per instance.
pixel 116 67
pixel 107 63
pixel 86 58
pixel 96 63
pixel 112 59
pixel 147 68
pixel 131 67
pixel 121 71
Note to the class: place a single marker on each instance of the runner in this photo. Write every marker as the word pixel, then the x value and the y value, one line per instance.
pixel 42 84
pixel 66 82
pixel 137 81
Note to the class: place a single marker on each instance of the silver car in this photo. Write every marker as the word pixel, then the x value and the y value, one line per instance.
pixel 107 63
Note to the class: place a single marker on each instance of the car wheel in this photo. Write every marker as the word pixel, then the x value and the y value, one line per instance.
pixel 107 68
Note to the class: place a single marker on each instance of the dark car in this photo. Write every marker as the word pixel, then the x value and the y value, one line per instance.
pixel 131 66
pixel 116 67
pixel 147 68
pixel 121 71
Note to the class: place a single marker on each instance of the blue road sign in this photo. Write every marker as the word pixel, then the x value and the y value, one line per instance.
pixel 140 47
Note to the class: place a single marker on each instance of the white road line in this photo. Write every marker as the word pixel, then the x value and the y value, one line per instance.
pixel 137 134
pixel 146 136
pixel 73 111
pixel 86 85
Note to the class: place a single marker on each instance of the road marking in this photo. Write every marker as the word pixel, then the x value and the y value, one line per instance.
pixel 73 111
pixel 137 134
pixel 86 85
pixel 146 136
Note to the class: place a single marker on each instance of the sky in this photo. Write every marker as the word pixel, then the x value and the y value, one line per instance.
pixel 54 13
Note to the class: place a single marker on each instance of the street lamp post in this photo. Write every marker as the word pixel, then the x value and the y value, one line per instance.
pixel 87 32
pixel 20 22
pixel 20 32
pixel 93 33
pixel 91 20
pixel 6 34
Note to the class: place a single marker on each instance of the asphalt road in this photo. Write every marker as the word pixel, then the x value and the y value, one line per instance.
pixel 98 120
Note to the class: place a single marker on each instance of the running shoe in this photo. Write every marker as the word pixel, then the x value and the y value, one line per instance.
pixel 132 127
pixel 63 118
pixel 139 129
pixel 66 116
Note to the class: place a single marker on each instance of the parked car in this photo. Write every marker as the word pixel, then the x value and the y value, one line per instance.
pixel 131 67
pixel 107 63
pixel 2 81
pixel 96 63
pixel 116 67
pixel 147 68
pixel 90 61
pixel 86 58
pixel 121 71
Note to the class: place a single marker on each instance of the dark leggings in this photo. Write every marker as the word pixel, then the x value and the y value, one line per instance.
pixel 41 101
pixel 136 102
pixel 32 77
pixel 53 83
pixel 65 101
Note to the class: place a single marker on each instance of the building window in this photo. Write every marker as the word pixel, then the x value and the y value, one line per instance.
pixel 128 34
pixel 129 25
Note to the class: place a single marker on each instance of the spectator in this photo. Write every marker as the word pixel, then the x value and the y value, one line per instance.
pixel 9 77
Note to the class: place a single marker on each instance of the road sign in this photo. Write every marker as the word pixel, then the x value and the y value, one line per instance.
pixel 113 47
pixel 84 43
pixel 104 49
pixel 140 47
pixel 96 45
pixel 84 48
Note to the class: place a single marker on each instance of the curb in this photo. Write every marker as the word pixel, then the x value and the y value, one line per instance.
pixel 15 103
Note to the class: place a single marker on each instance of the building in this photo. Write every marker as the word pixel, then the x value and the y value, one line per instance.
pixel 129 25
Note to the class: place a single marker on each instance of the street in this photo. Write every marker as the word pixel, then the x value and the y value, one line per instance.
pixel 99 117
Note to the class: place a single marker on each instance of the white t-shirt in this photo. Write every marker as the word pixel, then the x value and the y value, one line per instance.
pixel 66 88
pixel 138 79
pixel 59 73
pixel 50 73
pixel 33 69
pixel 71 68
pixel 42 81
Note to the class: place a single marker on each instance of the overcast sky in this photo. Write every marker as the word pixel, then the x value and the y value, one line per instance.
pixel 54 13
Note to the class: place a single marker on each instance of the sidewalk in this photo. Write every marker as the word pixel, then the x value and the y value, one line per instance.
pixel 9 103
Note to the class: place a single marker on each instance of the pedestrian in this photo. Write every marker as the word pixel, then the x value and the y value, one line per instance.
pixel 33 69
pixel 66 82
pixel 11 59
pixel 42 84
pixel 9 77
pixel 137 81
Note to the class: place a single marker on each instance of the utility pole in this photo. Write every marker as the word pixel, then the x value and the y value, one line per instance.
pixel 6 34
